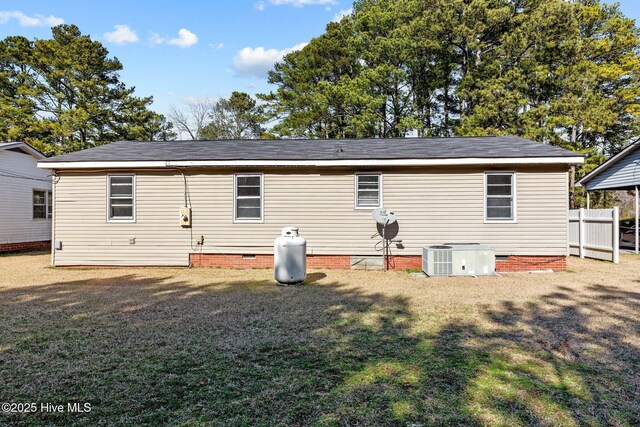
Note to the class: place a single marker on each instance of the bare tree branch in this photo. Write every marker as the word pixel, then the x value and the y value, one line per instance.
pixel 192 120
pixel 181 121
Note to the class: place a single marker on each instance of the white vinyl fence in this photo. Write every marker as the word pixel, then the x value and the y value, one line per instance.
pixel 595 233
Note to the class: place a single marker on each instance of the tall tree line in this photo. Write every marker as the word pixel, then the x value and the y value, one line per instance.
pixel 556 71
pixel 64 94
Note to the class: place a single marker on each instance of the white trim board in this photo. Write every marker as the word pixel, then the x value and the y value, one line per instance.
pixel 321 163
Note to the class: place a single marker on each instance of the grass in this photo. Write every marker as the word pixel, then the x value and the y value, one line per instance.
pixel 217 347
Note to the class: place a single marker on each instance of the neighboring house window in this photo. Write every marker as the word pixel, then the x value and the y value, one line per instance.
pixel 49 204
pixel 40 204
pixel 500 196
pixel 368 190
pixel 248 197
pixel 121 197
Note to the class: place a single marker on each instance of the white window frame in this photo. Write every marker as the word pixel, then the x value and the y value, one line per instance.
pixel 133 198
pixel 46 204
pixel 235 198
pixel 355 189
pixel 514 198
pixel 49 205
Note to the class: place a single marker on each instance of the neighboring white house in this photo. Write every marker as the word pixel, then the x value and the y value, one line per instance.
pixel 25 199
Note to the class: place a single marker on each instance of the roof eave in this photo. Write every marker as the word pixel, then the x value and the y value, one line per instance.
pixel 565 160
pixel 25 147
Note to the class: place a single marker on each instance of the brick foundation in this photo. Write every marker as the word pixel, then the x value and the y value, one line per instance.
pixel 408 262
pixel 337 262
pixel 25 246
pixel 512 264
pixel 343 262
pixel 531 263
pixel 230 261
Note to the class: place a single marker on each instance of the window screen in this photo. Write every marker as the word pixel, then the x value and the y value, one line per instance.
pixel 499 196
pixel 248 197
pixel 368 191
pixel 49 204
pixel 121 197
pixel 39 204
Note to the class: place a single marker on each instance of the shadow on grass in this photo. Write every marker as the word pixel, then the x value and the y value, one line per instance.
pixel 159 350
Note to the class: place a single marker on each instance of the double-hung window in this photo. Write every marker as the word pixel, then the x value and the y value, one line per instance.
pixel 500 196
pixel 368 190
pixel 248 197
pixel 121 198
pixel 41 204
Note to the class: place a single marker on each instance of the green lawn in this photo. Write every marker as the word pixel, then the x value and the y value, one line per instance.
pixel 219 347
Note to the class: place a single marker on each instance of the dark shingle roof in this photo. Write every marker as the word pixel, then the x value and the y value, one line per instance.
pixel 317 149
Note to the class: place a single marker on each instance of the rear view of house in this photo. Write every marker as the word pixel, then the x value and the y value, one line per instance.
pixel 222 203
pixel 25 199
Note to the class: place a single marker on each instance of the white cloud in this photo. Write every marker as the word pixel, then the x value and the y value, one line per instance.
pixel 261 5
pixel 30 21
pixel 344 12
pixel 194 100
pixel 185 39
pixel 122 34
pixel 191 100
pixel 301 3
pixel 256 62
pixel 156 38
pixel 220 46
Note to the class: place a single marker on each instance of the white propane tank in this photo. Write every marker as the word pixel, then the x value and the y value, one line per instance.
pixel 290 257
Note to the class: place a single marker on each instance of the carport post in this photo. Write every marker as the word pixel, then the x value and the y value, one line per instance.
pixel 588 201
pixel 637 209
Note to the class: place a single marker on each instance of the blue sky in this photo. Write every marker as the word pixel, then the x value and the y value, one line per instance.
pixel 223 45
pixel 180 52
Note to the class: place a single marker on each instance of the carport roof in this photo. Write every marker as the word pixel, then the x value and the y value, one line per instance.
pixel 612 174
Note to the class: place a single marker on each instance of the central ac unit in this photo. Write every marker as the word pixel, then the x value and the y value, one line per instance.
pixel 458 260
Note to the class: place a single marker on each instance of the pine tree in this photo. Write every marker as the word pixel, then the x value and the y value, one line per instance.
pixel 64 94
pixel 562 73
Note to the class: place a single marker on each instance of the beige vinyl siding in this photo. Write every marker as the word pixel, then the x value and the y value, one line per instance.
pixel 87 238
pixel 444 207
pixel 433 206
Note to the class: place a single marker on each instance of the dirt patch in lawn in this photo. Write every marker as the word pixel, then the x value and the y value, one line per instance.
pixel 221 347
